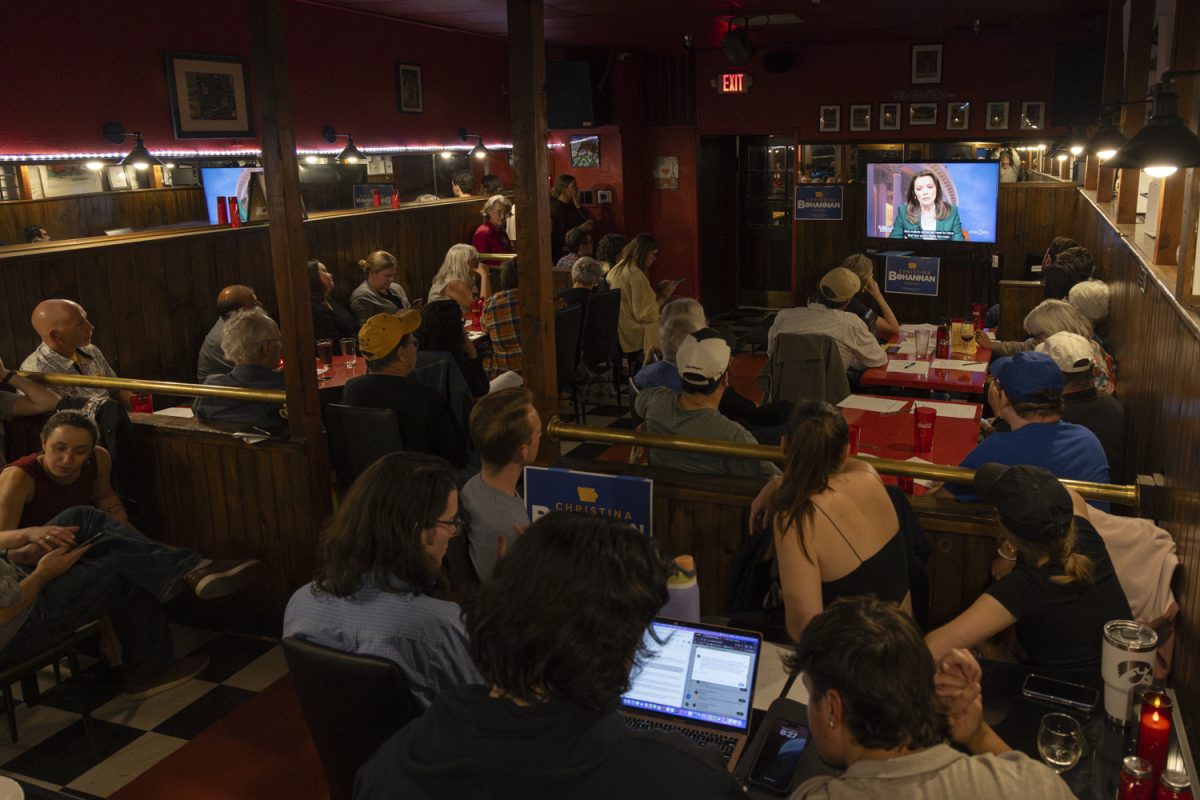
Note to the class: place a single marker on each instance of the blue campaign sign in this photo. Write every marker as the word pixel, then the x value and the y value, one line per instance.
pixel 818 202
pixel 912 275
pixel 628 499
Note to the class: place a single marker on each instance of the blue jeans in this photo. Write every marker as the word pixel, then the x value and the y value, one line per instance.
pixel 126 576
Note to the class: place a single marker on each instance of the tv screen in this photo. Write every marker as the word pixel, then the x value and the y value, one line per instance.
pixel 222 182
pixel 951 202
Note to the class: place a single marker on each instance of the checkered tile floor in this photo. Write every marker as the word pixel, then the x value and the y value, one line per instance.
pixel 53 759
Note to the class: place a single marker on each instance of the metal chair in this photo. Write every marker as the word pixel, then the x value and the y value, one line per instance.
pixel 358 437
pixel 600 345
pixel 568 323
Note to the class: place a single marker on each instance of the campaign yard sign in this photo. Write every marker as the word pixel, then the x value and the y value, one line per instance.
pixel 625 498
pixel 818 202
pixel 912 275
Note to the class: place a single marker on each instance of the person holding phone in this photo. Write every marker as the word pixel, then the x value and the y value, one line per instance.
pixel 641 304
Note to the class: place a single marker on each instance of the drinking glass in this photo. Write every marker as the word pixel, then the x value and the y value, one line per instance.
pixel 349 347
pixel 142 403
pixel 325 351
pixel 967 332
pixel 922 342
pixel 1060 741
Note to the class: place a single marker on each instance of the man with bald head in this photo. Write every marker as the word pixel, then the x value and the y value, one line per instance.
pixel 231 300
pixel 67 349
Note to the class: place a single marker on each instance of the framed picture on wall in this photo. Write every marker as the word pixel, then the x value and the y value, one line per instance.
pixel 209 96
pixel 889 116
pixel 831 119
pixel 997 116
pixel 1033 115
pixel 860 118
pixel 410 98
pixel 958 116
pixel 585 150
pixel 922 113
pixel 927 63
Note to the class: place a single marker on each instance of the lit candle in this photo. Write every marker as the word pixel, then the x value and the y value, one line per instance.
pixel 1154 730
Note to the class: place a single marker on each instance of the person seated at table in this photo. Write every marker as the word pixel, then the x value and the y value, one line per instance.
pixel 1073 265
pixel 67 349
pixel 1090 298
pixel 835 528
pixel 829 315
pixel 380 589
pixel 1027 395
pixel 21 397
pixel 460 263
pixel 252 342
pixel 927 214
pixel 50 586
pixel 578 242
pixel 462 184
pixel 555 633
pixel 641 304
pixel 230 300
pixel 36 233
pixel 883 711
pixel 1057 245
pixel 1046 319
pixel 585 277
pixel 427 425
pixel 1099 412
pixel 608 250
pixel 71 470
pixel 491 235
pixel 378 293
pixel 442 331
pixel 702 360
pixel 884 327
pixel 501 321
pixel 331 320
pixel 1062 588
pixel 507 432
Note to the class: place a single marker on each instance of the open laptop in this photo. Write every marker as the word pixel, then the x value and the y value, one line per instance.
pixel 699 681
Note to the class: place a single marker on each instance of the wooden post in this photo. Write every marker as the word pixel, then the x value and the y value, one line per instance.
pixel 1091 172
pixel 527 102
pixel 1137 73
pixel 289 246
pixel 1170 197
pixel 1114 63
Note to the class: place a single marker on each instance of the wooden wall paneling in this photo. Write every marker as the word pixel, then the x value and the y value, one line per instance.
pixel 91 214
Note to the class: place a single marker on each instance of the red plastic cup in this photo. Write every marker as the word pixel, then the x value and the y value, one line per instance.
pixel 395 200
pixel 924 420
pixel 855 436
pixel 978 312
pixel 905 484
pixel 235 214
pixel 142 403
pixel 376 198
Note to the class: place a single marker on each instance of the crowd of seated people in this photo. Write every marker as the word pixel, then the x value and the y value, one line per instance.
pixel 829 314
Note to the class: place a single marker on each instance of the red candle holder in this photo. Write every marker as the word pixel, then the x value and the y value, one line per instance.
pixel 1154 729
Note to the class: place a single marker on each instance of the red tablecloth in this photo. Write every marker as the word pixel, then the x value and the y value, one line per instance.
pixel 938 380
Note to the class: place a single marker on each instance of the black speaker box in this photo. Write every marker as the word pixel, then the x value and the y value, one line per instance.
pixel 569 98
pixel 737 46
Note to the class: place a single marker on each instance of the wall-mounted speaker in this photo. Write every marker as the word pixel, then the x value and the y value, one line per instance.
pixel 779 61
pixel 738 47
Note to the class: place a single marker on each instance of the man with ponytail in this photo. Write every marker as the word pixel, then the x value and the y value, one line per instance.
pixel 1062 588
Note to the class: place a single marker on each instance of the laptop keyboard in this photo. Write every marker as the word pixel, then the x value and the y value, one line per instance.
pixel 725 744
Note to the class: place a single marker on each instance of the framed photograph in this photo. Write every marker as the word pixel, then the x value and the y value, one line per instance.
pixel 585 150
pixel 997 116
pixel 922 113
pixel 831 119
pixel 210 96
pixel 889 116
pixel 860 118
pixel 666 172
pixel 410 98
pixel 927 63
pixel 1033 115
pixel 958 116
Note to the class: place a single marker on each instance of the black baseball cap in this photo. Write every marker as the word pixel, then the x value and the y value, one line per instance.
pixel 1033 505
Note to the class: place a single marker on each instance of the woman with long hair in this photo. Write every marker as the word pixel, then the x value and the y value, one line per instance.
pixel 641 304
pixel 836 531
pixel 331 320
pixel 1062 588
pixel 378 293
pixel 379 588
pixel 927 214
pixel 455 274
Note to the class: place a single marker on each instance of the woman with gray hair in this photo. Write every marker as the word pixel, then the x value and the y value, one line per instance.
pixel 1046 319
pixel 252 342
pixel 491 236
pixel 461 261
pixel 585 278
pixel 1090 298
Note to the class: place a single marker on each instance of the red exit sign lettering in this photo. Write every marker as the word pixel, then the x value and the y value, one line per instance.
pixel 733 83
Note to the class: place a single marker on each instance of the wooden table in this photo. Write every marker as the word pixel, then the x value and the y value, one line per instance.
pixel 938 380
pixel 337 375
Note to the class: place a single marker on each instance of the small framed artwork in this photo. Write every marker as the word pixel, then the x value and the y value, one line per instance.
pixel 410 98
pixel 927 63
pixel 997 116
pixel 922 113
pixel 1033 115
pixel 958 116
pixel 889 116
pixel 860 118
pixel 831 119
pixel 209 95
pixel 585 151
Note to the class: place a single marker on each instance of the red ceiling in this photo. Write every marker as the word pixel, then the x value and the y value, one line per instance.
pixel 660 25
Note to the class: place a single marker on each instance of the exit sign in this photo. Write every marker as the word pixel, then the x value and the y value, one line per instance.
pixel 733 83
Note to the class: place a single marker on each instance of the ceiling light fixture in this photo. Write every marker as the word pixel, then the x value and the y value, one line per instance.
pixel 350 154
pixel 139 156
pixel 478 151
pixel 1165 143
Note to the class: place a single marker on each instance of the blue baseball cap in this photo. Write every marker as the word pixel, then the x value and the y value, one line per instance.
pixel 1026 376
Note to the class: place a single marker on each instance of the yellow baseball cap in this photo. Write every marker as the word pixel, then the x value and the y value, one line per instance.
pixel 380 334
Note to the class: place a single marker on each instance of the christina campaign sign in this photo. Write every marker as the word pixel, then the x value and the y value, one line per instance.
pixel 912 275
pixel 818 201
pixel 628 499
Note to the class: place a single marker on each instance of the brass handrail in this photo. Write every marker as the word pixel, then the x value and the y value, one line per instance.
pixel 497 256
pixel 164 387
pixel 557 429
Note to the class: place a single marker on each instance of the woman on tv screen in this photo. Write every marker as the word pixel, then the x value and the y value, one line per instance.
pixel 927 215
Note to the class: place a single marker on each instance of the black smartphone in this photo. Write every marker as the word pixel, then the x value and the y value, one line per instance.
pixel 1051 690
pixel 680 280
pixel 780 755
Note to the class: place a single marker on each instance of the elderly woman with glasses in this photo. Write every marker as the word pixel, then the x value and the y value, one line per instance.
pixel 380 589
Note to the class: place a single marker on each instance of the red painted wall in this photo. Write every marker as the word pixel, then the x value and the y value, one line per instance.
pixel 89 66
pixel 609 175
pixel 671 214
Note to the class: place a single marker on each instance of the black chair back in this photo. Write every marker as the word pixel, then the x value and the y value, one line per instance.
pixel 358 437
pixel 600 340
pixel 567 325
pixel 352 704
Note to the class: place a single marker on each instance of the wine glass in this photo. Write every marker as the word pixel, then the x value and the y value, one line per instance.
pixel 967 332
pixel 1060 741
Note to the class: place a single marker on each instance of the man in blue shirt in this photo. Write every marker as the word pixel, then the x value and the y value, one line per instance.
pixel 1027 394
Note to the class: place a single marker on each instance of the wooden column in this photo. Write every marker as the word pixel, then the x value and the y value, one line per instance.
pixel 1114 63
pixel 1170 198
pixel 1091 171
pixel 1137 74
pixel 527 102
pixel 289 248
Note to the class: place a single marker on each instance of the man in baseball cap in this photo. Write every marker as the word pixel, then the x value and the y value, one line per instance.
pixel 427 425
pixel 703 363
pixel 827 314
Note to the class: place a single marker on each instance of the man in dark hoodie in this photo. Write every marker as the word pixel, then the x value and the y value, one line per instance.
pixel 555 633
